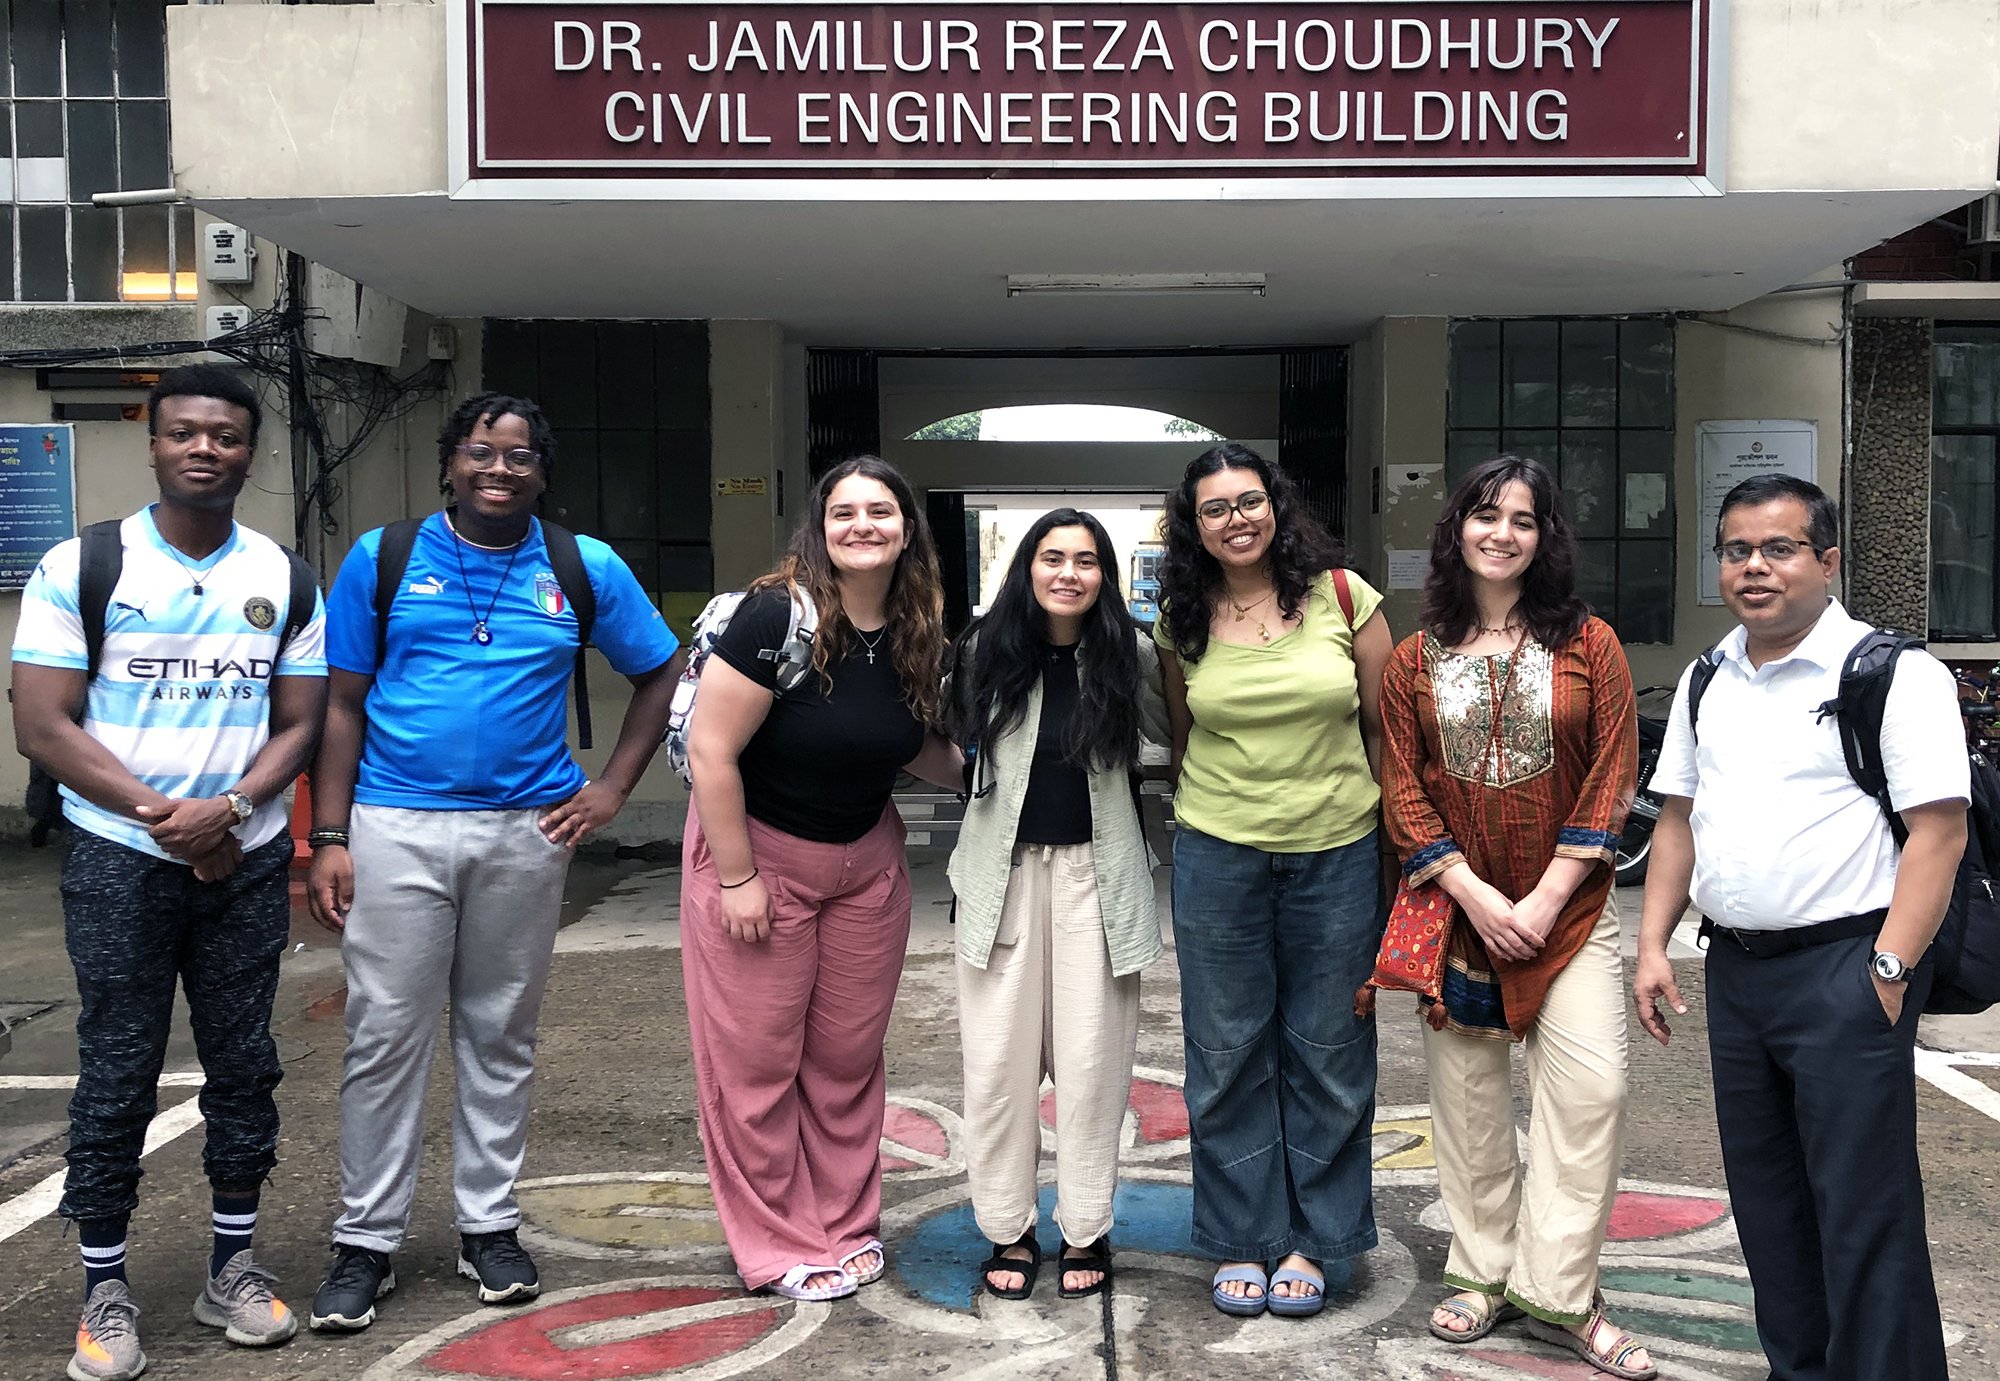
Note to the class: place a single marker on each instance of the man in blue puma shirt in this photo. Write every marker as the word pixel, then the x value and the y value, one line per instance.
pixel 446 811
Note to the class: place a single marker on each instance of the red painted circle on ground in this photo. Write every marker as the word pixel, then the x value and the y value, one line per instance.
pixel 916 1130
pixel 1638 1215
pixel 524 1348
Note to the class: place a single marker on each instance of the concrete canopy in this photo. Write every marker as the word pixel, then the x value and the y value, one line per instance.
pixel 933 274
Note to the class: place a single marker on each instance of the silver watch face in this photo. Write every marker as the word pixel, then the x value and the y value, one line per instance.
pixel 1888 968
pixel 240 804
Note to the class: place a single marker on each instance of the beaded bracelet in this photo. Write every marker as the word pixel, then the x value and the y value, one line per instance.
pixel 321 838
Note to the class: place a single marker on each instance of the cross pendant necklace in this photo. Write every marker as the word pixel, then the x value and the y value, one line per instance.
pixel 870 644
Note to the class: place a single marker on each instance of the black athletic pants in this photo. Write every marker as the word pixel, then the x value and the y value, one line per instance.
pixel 136 925
pixel 1816 1098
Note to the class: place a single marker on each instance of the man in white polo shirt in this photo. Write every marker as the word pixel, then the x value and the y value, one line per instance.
pixel 170 673
pixel 1816 967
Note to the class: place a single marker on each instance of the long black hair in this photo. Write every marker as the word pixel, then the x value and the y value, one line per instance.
pixel 1549 606
pixel 1301 550
pixel 1009 649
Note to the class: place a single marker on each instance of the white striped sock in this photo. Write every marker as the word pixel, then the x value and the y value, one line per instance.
pixel 234 1224
pixel 103 1258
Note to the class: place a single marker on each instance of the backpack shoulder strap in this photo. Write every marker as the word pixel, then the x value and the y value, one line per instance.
pixel 1345 595
pixel 1858 710
pixel 304 595
pixel 100 560
pixel 392 558
pixel 1704 672
pixel 566 560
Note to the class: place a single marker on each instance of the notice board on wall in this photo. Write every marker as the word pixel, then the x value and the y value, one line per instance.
pixel 37 495
pixel 1726 454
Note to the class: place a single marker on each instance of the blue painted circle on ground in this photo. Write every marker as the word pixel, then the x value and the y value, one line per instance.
pixel 939 1259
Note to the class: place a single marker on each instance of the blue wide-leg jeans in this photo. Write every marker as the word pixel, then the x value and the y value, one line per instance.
pixel 1280 1072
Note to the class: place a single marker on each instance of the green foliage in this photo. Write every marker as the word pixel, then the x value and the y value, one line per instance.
pixel 964 427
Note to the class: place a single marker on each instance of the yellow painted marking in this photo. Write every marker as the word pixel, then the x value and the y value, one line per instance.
pixel 626 1214
pixel 1410 1144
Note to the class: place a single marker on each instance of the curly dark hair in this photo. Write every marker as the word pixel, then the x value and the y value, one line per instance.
pixel 916 594
pixel 488 408
pixel 1191 580
pixel 1007 654
pixel 1549 605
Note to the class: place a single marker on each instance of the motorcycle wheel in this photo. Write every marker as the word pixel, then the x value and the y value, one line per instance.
pixel 1634 851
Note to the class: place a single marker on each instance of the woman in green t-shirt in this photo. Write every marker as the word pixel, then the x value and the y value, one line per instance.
pixel 1272 658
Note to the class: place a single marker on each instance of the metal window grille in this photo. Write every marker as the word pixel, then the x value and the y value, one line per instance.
pixel 1593 399
pixel 83 109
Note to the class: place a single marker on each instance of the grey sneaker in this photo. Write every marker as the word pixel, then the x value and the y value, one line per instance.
pixel 242 1301
pixel 107 1337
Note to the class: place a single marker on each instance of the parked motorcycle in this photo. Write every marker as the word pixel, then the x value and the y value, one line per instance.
pixel 1635 845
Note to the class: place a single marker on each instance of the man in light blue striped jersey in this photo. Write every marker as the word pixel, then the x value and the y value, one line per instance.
pixel 174 717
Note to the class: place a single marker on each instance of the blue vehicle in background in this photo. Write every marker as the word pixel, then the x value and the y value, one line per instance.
pixel 1144 586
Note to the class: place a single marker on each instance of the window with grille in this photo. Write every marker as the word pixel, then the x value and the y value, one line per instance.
pixel 83 109
pixel 1965 483
pixel 1593 400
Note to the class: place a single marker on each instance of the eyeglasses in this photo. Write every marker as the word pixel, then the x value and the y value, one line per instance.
pixel 520 460
pixel 1776 552
pixel 1216 512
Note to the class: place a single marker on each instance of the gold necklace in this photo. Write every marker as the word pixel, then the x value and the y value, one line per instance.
pixel 1243 611
pixel 1506 628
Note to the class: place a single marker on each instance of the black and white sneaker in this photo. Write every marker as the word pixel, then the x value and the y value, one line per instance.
pixel 503 1268
pixel 345 1301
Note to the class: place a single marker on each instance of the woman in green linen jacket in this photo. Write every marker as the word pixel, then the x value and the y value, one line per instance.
pixel 1055 894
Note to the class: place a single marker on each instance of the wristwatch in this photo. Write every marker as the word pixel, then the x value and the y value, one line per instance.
pixel 240 805
pixel 1888 967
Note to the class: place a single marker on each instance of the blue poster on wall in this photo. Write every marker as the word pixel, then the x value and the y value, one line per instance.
pixel 37 496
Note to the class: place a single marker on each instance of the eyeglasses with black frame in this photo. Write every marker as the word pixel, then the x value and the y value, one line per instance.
pixel 1215 513
pixel 1776 551
pixel 480 456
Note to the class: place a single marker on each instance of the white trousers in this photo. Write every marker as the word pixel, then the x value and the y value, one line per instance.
pixel 1046 1004
pixel 1537 1234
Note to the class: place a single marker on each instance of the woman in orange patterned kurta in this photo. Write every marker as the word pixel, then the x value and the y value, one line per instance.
pixel 1510 760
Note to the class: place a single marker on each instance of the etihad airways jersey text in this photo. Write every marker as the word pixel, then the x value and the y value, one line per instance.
pixel 182 693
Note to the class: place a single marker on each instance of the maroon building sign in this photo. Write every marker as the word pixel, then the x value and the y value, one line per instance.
pixel 568 89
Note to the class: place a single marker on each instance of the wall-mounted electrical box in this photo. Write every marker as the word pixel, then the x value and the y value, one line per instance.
pixel 226 254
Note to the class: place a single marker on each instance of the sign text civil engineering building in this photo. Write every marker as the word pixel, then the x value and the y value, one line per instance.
pixel 624 88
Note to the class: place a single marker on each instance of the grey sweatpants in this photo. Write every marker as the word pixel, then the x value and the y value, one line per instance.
pixel 457 902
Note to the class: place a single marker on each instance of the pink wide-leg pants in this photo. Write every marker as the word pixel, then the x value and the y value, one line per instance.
pixel 787 1037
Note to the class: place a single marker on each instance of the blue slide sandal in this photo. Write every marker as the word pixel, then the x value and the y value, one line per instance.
pixel 1242 1306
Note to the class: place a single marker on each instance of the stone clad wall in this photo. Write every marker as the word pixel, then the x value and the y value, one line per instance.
pixel 1888 504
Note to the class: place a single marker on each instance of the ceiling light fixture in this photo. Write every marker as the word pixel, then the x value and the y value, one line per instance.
pixel 1134 284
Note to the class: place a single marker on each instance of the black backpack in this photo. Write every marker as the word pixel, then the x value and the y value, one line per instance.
pixel 1966 952
pixel 100 561
pixel 392 558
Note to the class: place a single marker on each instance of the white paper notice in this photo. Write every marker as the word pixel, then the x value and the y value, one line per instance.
pixel 1409 567
pixel 1729 452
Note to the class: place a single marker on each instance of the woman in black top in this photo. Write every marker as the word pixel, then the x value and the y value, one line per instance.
pixel 795 893
pixel 1055 894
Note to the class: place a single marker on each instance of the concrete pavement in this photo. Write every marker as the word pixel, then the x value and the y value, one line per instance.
pixel 639 1283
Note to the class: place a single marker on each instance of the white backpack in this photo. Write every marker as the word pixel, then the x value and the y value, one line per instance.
pixel 794 658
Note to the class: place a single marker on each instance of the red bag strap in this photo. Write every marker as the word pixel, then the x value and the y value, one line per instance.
pixel 1344 595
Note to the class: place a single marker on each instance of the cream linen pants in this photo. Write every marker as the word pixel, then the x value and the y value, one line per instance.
pixel 1537 1234
pixel 1046 1004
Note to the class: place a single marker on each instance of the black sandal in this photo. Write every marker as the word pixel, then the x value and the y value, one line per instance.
pixel 1096 1257
pixel 1027 1267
